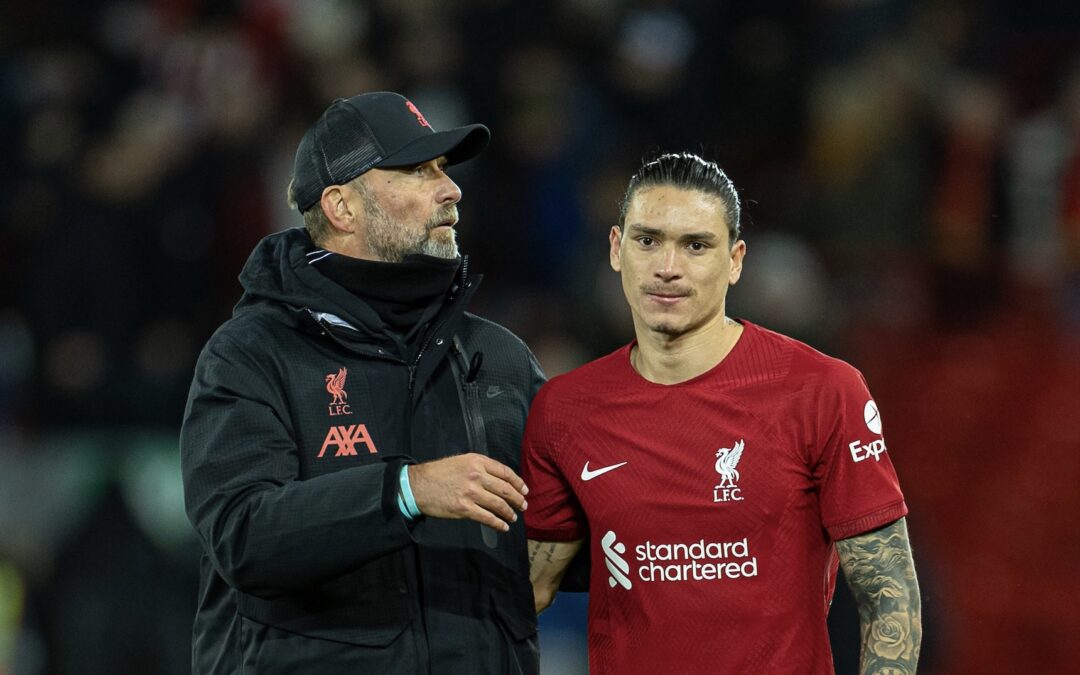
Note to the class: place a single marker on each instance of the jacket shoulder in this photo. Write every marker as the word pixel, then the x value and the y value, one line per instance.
pixel 248 339
pixel 486 333
pixel 503 352
pixel 259 326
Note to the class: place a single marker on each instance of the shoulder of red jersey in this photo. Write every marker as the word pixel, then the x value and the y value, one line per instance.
pixel 572 395
pixel 583 381
pixel 805 361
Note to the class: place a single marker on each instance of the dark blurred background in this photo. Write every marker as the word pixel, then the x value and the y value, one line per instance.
pixel 911 174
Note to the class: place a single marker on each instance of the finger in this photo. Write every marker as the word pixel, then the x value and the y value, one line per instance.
pixel 500 470
pixel 506 491
pixel 485 517
pixel 496 505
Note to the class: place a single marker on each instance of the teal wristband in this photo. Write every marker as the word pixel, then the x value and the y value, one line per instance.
pixel 401 507
pixel 406 502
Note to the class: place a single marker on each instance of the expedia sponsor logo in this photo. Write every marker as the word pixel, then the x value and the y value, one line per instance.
pixel 860 452
pixel 678 562
pixel 872 417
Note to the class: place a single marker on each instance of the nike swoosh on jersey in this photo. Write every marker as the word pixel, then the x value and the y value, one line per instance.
pixel 589 475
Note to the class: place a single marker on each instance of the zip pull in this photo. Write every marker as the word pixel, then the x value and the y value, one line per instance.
pixel 474 367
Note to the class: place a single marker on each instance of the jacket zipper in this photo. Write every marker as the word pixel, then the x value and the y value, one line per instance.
pixel 423 348
pixel 469 397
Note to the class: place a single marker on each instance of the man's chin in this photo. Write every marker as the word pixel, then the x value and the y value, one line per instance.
pixel 667 329
pixel 441 247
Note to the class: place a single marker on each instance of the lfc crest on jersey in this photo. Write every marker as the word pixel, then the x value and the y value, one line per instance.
pixel 727 462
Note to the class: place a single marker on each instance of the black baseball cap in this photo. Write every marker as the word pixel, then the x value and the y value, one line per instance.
pixel 378 129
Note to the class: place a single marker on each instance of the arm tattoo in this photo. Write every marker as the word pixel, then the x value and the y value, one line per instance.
pixel 548 561
pixel 881 574
pixel 541 551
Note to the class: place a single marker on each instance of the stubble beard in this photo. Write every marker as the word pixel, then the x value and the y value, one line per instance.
pixel 677 328
pixel 391 241
pixel 667 329
pixel 671 328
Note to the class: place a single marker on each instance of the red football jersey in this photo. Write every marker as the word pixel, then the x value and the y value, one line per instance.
pixel 711 505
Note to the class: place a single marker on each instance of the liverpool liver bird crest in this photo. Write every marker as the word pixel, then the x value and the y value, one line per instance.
pixel 727 460
pixel 335 384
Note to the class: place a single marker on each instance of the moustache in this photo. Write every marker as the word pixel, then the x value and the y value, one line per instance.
pixel 661 289
pixel 447 216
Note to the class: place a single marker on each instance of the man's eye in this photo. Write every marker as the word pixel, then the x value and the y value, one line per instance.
pixel 645 241
pixel 426 169
pixel 697 246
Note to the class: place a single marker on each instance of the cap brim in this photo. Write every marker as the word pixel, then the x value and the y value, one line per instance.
pixel 457 145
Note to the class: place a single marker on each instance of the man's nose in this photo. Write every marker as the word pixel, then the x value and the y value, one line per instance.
pixel 668 268
pixel 448 191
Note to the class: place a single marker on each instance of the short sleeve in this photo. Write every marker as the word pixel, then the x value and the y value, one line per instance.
pixel 853 471
pixel 554 513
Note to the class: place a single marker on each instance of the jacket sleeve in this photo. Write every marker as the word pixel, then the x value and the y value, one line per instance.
pixel 536 375
pixel 266 531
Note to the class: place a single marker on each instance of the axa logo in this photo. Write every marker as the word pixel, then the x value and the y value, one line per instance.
pixel 616 563
pixel 419 116
pixel 335 386
pixel 345 439
pixel 727 459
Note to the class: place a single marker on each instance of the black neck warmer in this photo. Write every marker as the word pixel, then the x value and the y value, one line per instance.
pixel 400 293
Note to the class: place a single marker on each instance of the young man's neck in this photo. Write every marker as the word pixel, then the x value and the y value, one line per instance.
pixel 664 359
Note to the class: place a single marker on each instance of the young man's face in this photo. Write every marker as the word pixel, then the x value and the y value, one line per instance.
pixel 675 259
pixel 410 210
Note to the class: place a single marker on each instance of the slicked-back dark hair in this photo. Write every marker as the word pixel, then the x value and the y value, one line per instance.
pixel 687 171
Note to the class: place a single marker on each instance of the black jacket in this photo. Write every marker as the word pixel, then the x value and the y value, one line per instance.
pixel 299 418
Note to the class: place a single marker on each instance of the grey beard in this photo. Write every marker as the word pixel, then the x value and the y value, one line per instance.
pixel 441 248
pixel 392 250
pixel 387 241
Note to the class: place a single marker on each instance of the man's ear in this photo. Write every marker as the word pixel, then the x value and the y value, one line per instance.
pixel 738 253
pixel 615 254
pixel 338 208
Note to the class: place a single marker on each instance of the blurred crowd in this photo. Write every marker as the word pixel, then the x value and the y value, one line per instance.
pixel 911 178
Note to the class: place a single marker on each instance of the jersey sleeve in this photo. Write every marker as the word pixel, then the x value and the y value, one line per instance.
pixel 554 513
pixel 853 472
